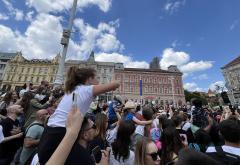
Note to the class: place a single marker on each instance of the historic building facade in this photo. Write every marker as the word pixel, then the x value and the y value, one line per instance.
pixel 164 87
pixel 4 58
pixel 231 73
pixel 20 70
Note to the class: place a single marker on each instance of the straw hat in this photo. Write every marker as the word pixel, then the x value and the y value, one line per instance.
pixel 130 105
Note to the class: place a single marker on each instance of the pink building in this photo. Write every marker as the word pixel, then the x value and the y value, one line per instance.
pixel 162 86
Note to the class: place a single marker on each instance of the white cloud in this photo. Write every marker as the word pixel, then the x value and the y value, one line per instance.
pixel 182 61
pixel 196 66
pixel 61 5
pixel 103 37
pixel 41 38
pixel 7 39
pixel 108 42
pixel 126 60
pixel 171 57
pixel 29 16
pixel 3 16
pixel 192 87
pixel 19 15
pixel 234 25
pixel 175 43
pixel 217 83
pixel 173 6
pixel 201 77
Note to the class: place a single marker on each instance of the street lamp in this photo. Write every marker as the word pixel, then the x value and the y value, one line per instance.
pixel 65 41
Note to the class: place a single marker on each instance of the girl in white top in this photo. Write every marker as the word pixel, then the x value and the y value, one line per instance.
pixel 82 82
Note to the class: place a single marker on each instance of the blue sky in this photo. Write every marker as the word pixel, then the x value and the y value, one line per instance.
pixel 198 36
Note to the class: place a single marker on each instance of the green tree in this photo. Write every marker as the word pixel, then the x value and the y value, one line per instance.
pixel 190 95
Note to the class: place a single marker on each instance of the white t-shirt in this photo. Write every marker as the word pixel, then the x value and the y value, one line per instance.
pixel 139 130
pixel 35 160
pixel 84 95
pixel 1 134
pixel 186 126
pixel 129 161
pixel 228 149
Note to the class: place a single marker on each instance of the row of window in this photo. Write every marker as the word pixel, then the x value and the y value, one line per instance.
pixel 161 102
pixel 149 79
pixel 42 70
pixel 104 70
pixel 152 90
pixel 28 78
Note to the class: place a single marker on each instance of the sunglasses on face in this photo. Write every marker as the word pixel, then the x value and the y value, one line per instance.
pixel 154 155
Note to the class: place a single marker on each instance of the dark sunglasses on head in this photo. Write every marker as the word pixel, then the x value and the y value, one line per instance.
pixel 154 155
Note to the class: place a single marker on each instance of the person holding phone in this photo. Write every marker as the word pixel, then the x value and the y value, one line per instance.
pixel 82 82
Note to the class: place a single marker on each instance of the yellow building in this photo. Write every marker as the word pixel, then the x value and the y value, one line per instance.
pixel 20 70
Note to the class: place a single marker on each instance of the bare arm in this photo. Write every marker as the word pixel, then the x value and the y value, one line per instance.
pixel 99 89
pixel 139 122
pixel 30 142
pixel 6 139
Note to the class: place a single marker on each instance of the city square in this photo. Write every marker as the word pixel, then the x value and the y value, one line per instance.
pixel 118 83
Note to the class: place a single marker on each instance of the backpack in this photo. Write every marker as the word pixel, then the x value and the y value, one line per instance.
pixel 194 146
pixel 25 132
pixel 18 153
pixel 225 157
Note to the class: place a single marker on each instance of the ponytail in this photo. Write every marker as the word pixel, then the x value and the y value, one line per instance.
pixel 77 76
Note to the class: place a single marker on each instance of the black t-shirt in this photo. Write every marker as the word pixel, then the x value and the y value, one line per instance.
pixel 8 149
pixel 98 141
pixel 79 155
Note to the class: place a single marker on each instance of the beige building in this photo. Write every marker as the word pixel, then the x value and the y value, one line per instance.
pixel 231 73
pixel 19 70
pixel 4 58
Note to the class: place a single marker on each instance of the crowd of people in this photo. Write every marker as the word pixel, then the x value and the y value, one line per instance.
pixel 46 125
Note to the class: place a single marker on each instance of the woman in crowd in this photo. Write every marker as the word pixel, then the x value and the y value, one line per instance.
pixel 101 122
pixel 171 145
pixel 120 153
pixel 83 83
pixel 129 114
pixel 6 101
pixel 146 153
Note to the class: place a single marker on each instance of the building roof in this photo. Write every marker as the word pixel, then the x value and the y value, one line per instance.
pixel 7 56
pixel 232 63
pixel 150 70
